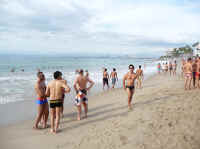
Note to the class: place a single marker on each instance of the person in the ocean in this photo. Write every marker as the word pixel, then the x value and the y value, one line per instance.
pixel 129 84
pixel 80 86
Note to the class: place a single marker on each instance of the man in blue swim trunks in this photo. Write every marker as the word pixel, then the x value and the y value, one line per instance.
pixel 43 109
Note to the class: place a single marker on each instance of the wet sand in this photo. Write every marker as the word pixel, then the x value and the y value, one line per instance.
pixel 164 116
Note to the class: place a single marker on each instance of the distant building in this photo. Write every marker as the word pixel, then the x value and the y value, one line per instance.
pixel 169 52
pixel 196 49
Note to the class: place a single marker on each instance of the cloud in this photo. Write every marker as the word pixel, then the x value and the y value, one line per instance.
pixel 101 26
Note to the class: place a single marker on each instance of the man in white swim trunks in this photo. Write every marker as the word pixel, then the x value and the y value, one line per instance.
pixel 80 86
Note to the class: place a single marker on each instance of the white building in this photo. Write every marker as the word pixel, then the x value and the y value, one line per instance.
pixel 196 49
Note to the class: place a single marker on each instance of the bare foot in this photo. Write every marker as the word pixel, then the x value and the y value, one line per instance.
pixel 52 131
pixel 85 116
pixel 78 118
pixel 35 127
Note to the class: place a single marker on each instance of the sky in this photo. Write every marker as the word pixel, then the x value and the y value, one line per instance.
pixel 126 27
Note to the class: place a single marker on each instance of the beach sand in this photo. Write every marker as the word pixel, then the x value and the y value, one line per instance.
pixel 164 116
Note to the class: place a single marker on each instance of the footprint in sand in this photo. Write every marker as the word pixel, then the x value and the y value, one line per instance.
pixel 123 139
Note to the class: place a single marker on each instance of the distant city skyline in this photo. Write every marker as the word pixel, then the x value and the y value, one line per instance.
pixel 89 27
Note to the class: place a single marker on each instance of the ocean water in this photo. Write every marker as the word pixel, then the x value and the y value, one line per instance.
pixel 19 86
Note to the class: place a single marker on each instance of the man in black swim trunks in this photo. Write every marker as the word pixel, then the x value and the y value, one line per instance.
pixel 105 78
pixel 55 90
pixel 129 84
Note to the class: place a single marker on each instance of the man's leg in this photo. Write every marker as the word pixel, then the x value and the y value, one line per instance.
pixel 190 80
pixel 186 80
pixel 46 114
pixel 79 112
pixel 130 95
pixel 85 105
pixel 39 116
pixel 53 115
pixel 57 118
pixel 62 109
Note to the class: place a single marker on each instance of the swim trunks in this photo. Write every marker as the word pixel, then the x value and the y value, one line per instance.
pixel 131 87
pixel 105 81
pixel 188 75
pixel 56 103
pixel 41 101
pixel 197 74
pixel 81 97
pixel 113 81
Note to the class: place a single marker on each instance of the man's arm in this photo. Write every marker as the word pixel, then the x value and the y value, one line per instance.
pixel 75 83
pixel 91 84
pixel 66 87
pixel 116 76
pixel 47 94
pixel 124 81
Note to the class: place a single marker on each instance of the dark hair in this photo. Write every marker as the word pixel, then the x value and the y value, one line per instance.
pixel 81 71
pixel 140 66
pixel 131 65
pixel 189 59
pixel 105 69
pixel 57 74
pixel 114 69
pixel 38 73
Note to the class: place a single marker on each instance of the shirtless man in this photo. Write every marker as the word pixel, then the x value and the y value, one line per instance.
pixel 43 110
pixel 80 86
pixel 188 73
pixel 55 90
pixel 114 77
pixel 182 67
pixel 63 98
pixel 166 68
pixel 140 76
pixel 129 84
pixel 174 68
pixel 194 72
pixel 105 78
pixel 198 73
pixel 170 68
pixel 87 73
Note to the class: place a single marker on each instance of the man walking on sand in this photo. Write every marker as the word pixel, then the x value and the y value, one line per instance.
pixel 114 77
pixel 174 68
pixel 129 84
pixel 140 76
pixel 187 68
pixel 55 90
pixel 105 78
pixel 43 109
pixel 80 86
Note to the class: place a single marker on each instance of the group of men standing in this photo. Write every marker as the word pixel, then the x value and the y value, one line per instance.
pixel 191 72
pixel 57 88
pixel 165 68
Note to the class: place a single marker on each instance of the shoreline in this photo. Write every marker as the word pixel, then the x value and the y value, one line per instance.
pixel 163 116
pixel 15 110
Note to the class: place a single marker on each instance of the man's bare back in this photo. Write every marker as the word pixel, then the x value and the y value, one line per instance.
pixel 113 74
pixel 55 89
pixel 188 68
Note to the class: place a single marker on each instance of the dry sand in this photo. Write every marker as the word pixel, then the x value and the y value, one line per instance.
pixel 164 117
